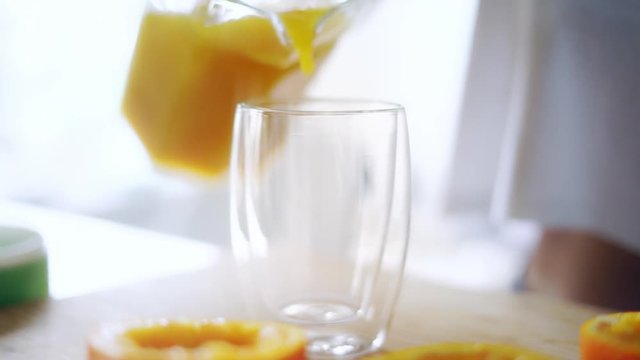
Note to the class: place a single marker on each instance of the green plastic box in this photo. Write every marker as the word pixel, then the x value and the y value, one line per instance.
pixel 23 266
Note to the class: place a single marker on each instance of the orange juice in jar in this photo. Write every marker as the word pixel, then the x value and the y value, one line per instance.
pixel 195 59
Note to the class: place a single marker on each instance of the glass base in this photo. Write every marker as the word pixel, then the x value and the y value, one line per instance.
pixel 343 346
pixel 329 326
pixel 318 312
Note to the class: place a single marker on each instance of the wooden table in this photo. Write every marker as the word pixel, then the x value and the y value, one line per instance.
pixel 57 329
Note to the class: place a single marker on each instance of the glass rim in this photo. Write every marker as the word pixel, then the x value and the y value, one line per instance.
pixel 341 106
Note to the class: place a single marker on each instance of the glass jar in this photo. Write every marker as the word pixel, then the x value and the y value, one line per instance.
pixel 194 60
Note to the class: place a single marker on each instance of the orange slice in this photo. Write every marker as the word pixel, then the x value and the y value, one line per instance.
pixel 611 337
pixel 197 340
pixel 461 351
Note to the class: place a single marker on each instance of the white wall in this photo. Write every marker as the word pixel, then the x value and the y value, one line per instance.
pixel 413 52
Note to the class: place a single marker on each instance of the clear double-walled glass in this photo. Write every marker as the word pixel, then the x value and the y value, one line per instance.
pixel 320 215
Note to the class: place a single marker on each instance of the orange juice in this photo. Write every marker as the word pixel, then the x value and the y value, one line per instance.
pixel 187 76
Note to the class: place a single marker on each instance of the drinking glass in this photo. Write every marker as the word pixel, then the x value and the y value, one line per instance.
pixel 320 199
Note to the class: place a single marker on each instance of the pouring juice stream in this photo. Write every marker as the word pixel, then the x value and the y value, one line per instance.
pixel 187 75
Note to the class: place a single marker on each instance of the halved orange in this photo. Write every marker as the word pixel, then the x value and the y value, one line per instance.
pixel 461 351
pixel 197 340
pixel 611 337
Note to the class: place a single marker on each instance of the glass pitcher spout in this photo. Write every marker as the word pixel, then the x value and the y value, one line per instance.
pixel 299 25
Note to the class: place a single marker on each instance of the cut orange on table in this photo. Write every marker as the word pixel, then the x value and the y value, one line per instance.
pixel 611 337
pixel 197 340
pixel 461 351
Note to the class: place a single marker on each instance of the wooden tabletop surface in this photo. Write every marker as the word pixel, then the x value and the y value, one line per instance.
pixel 57 329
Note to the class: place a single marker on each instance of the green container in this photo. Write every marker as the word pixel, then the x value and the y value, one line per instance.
pixel 23 266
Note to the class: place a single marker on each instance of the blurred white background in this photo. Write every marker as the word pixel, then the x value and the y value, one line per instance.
pixel 64 143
